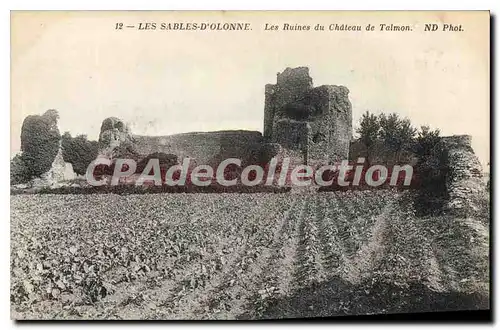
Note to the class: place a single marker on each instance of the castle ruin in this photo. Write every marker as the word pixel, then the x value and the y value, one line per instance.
pixel 312 124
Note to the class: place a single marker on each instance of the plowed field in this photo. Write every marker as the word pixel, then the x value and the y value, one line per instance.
pixel 240 256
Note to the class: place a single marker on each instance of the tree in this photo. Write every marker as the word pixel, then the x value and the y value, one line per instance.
pixel 79 151
pixel 368 131
pixel 405 137
pixel 40 141
pixel 426 141
pixel 397 134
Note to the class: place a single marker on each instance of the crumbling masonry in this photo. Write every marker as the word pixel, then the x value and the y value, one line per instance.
pixel 311 124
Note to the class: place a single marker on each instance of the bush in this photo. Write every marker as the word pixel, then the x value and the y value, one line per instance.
pixel 430 156
pixel 432 171
pixel 426 141
pixel 19 171
pixel 79 151
pixel 393 134
pixel 40 140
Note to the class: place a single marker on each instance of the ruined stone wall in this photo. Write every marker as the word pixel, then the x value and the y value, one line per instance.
pixel 331 129
pixel 312 124
pixel 291 85
pixel 293 136
pixel 464 184
pixel 203 147
pixel 326 110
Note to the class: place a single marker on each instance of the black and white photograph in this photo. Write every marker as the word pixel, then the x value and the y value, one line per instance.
pixel 249 165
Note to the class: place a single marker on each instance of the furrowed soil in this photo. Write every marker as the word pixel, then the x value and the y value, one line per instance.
pixel 240 256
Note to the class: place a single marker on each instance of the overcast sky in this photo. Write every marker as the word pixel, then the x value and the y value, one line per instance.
pixel 170 82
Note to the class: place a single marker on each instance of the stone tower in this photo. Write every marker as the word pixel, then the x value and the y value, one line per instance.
pixel 313 124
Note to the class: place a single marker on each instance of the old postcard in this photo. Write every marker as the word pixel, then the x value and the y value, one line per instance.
pixel 249 165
